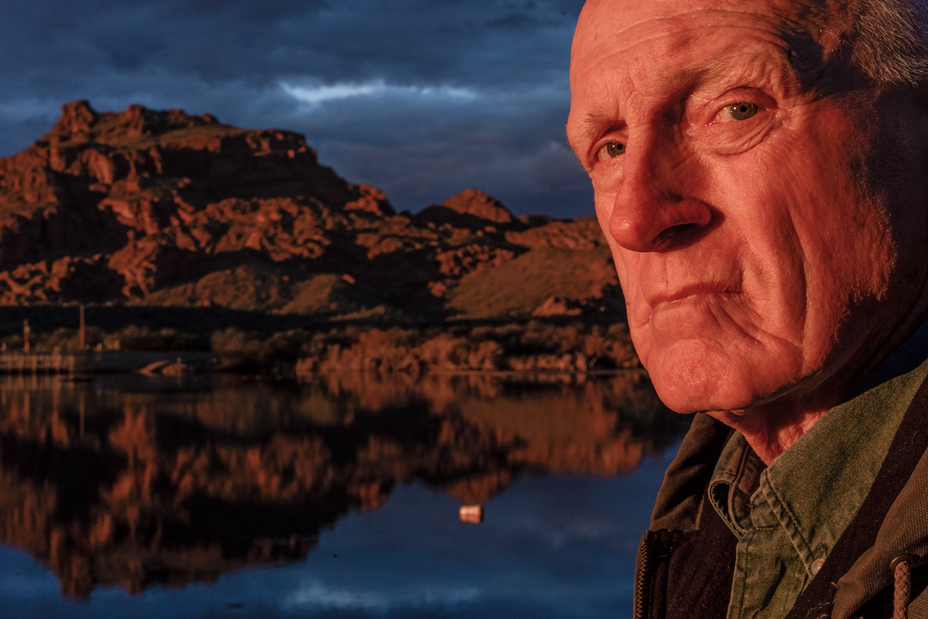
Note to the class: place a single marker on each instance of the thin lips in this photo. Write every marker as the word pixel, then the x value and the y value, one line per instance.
pixel 690 290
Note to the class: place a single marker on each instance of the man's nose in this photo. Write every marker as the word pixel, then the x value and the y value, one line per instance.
pixel 651 211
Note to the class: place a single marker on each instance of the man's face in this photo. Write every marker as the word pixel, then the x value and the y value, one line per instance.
pixel 768 233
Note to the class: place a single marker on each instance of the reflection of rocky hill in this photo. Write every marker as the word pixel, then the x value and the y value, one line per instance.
pixel 164 208
pixel 138 488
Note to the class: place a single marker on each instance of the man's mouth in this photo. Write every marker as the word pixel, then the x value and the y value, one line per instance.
pixel 689 292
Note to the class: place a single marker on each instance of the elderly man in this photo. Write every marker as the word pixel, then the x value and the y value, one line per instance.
pixel 760 169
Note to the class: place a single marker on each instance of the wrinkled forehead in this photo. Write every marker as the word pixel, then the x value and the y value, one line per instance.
pixel 615 24
pixel 626 14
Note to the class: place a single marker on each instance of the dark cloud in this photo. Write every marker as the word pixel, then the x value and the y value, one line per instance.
pixel 420 98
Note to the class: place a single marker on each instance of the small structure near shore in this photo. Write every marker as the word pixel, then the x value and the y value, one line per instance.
pixel 169 368
pixel 46 363
pixel 70 363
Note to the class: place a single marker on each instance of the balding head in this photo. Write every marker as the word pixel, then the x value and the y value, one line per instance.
pixel 770 234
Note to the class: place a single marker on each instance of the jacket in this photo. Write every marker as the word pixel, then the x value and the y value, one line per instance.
pixel 878 568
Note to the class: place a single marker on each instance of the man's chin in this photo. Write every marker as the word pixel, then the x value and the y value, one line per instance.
pixel 716 401
pixel 697 386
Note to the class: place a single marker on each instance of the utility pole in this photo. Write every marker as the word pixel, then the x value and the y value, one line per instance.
pixel 82 338
pixel 26 335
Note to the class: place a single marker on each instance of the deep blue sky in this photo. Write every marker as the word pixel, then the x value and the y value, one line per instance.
pixel 422 98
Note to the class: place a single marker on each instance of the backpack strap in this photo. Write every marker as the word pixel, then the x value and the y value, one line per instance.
pixel 907 448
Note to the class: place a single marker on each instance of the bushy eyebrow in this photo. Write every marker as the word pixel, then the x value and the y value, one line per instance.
pixel 588 128
pixel 592 123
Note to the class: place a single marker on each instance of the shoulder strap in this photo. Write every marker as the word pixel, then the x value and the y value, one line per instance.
pixel 908 446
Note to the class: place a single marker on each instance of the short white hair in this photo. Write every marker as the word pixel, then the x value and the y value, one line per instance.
pixel 890 40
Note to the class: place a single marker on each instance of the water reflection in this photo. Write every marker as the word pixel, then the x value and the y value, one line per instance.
pixel 135 481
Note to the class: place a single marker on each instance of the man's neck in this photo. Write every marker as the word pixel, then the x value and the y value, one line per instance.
pixel 771 427
pixel 772 433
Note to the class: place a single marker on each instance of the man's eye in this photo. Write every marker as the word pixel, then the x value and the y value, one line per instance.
pixel 612 149
pixel 740 111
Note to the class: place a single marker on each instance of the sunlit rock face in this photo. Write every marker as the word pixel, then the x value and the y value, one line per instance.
pixel 164 208
pixel 144 485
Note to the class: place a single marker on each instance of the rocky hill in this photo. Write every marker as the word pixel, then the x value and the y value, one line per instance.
pixel 162 208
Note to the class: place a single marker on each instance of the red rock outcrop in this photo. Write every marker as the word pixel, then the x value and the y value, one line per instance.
pixel 157 207
pixel 477 203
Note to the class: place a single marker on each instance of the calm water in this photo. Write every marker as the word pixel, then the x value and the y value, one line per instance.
pixel 128 496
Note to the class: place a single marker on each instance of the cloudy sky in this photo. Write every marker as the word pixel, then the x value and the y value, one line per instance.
pixel 422 98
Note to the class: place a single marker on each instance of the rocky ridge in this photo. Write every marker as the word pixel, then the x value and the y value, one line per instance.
pixel 164 208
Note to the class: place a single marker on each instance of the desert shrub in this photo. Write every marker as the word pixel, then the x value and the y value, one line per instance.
pixel 314 345
pixel 486 356
pixel 63 339
pixel 256 352
pixel 230 340
pixel 444 351
pixel 136 337
pixel 284 347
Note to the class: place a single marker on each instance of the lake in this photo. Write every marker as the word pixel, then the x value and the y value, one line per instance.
pixel 215 496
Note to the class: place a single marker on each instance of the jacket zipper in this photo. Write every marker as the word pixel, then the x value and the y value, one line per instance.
pixel 642 580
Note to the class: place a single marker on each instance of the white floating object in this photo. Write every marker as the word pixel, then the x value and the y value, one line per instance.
pixel 471 513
